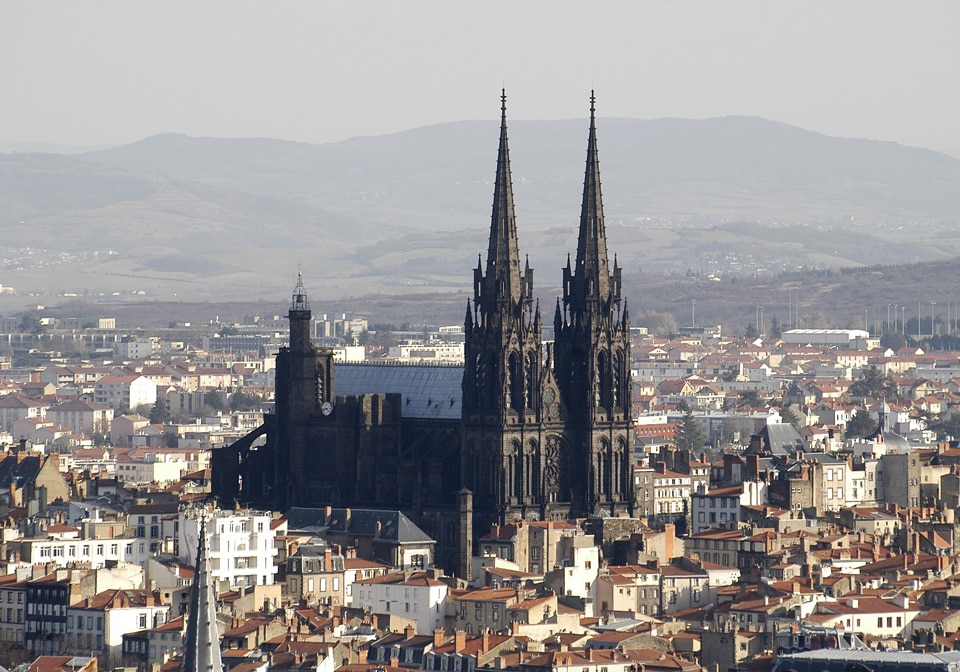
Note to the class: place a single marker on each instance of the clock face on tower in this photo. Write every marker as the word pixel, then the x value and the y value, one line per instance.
pixel 326 408
pixel 549 395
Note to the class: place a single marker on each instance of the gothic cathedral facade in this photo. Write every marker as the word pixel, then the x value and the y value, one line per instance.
pixel 546 430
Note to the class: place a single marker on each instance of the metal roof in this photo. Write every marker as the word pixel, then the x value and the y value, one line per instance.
pixel 428 390
pixel 836 660
pixel 383 524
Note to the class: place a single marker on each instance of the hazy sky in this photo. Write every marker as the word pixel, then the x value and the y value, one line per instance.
pixel 114 71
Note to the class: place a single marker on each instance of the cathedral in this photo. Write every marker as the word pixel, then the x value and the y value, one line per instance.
pixel 524 430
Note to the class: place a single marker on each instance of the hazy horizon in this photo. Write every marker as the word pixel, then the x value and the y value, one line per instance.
pixel 81 75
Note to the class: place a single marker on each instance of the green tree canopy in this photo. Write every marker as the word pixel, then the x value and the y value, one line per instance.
pixel 788 415
pixel 749 398
pixel 244 401
pixel 893 340
pixel 214 399
pixel 872 383
pixel 860 425
pixel 158 413
pixel 690 435
pixel 659 324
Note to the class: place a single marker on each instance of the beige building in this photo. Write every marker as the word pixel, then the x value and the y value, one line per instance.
pixel 535 547
pixel 82 417
pixel 481 609
pixel 627 591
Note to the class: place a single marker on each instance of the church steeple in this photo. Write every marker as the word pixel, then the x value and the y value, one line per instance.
pixel 501 286
pixel 201 646
pixel 589 283
pixel 503 367
pixel 592 343
pixel 299 316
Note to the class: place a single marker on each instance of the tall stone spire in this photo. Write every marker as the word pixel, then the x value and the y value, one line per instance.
pixel 201 647
pixel 503 369
pixel 501 285
pixel 592 363
pixel 591 281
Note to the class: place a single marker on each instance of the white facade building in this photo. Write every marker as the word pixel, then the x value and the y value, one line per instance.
pixel 99 623
pixel 158 468
pixel 419 598
pixel 241 545
pixel 98 552
pixel 127 392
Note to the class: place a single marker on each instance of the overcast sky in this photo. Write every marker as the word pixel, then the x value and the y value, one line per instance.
pixel 115 71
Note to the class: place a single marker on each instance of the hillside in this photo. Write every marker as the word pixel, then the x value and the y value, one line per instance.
pixel 179 218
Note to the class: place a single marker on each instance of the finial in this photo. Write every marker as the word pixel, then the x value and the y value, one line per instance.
pixel 593 100
pixel 299 301
pixel 503 107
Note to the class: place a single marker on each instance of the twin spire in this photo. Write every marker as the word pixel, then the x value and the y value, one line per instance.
pixel 592 242
pixel 503 256
pixel 588 283
pixel 503 286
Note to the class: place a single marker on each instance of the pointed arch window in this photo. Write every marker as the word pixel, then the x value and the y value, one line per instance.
pixel 493 375
pixel 516 470
pixel 617 375
pixel 603 372
pixel 478 379
pixel 529 379
pixel 532 470
pixel 321 387
pixel 514 382
pixel 604 467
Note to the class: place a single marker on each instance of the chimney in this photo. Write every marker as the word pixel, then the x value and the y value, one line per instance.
pixel 485 641
pixel 438 637
pixel 409 631
pixel 459 640
pixel 327 562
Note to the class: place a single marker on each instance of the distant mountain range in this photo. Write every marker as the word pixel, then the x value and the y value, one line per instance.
pixel 175 217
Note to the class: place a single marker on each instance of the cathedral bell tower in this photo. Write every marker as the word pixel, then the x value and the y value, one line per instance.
pixel 592 352
pixel 503 463
pixel 304 384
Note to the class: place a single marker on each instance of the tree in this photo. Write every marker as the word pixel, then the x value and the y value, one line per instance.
pixel 214 399
pixel 946 424
pixel 788 415
pixel 860 425
pixel 873 384
pixel 159 413
pixel 775 329
pixel 750 398
pixel 690 434
pixel 30 324
pixel 751 331
pixel 894 341
pixel 659 324
pixel 244 401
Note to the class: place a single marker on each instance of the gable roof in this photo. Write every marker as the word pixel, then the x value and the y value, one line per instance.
pixel 393 525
